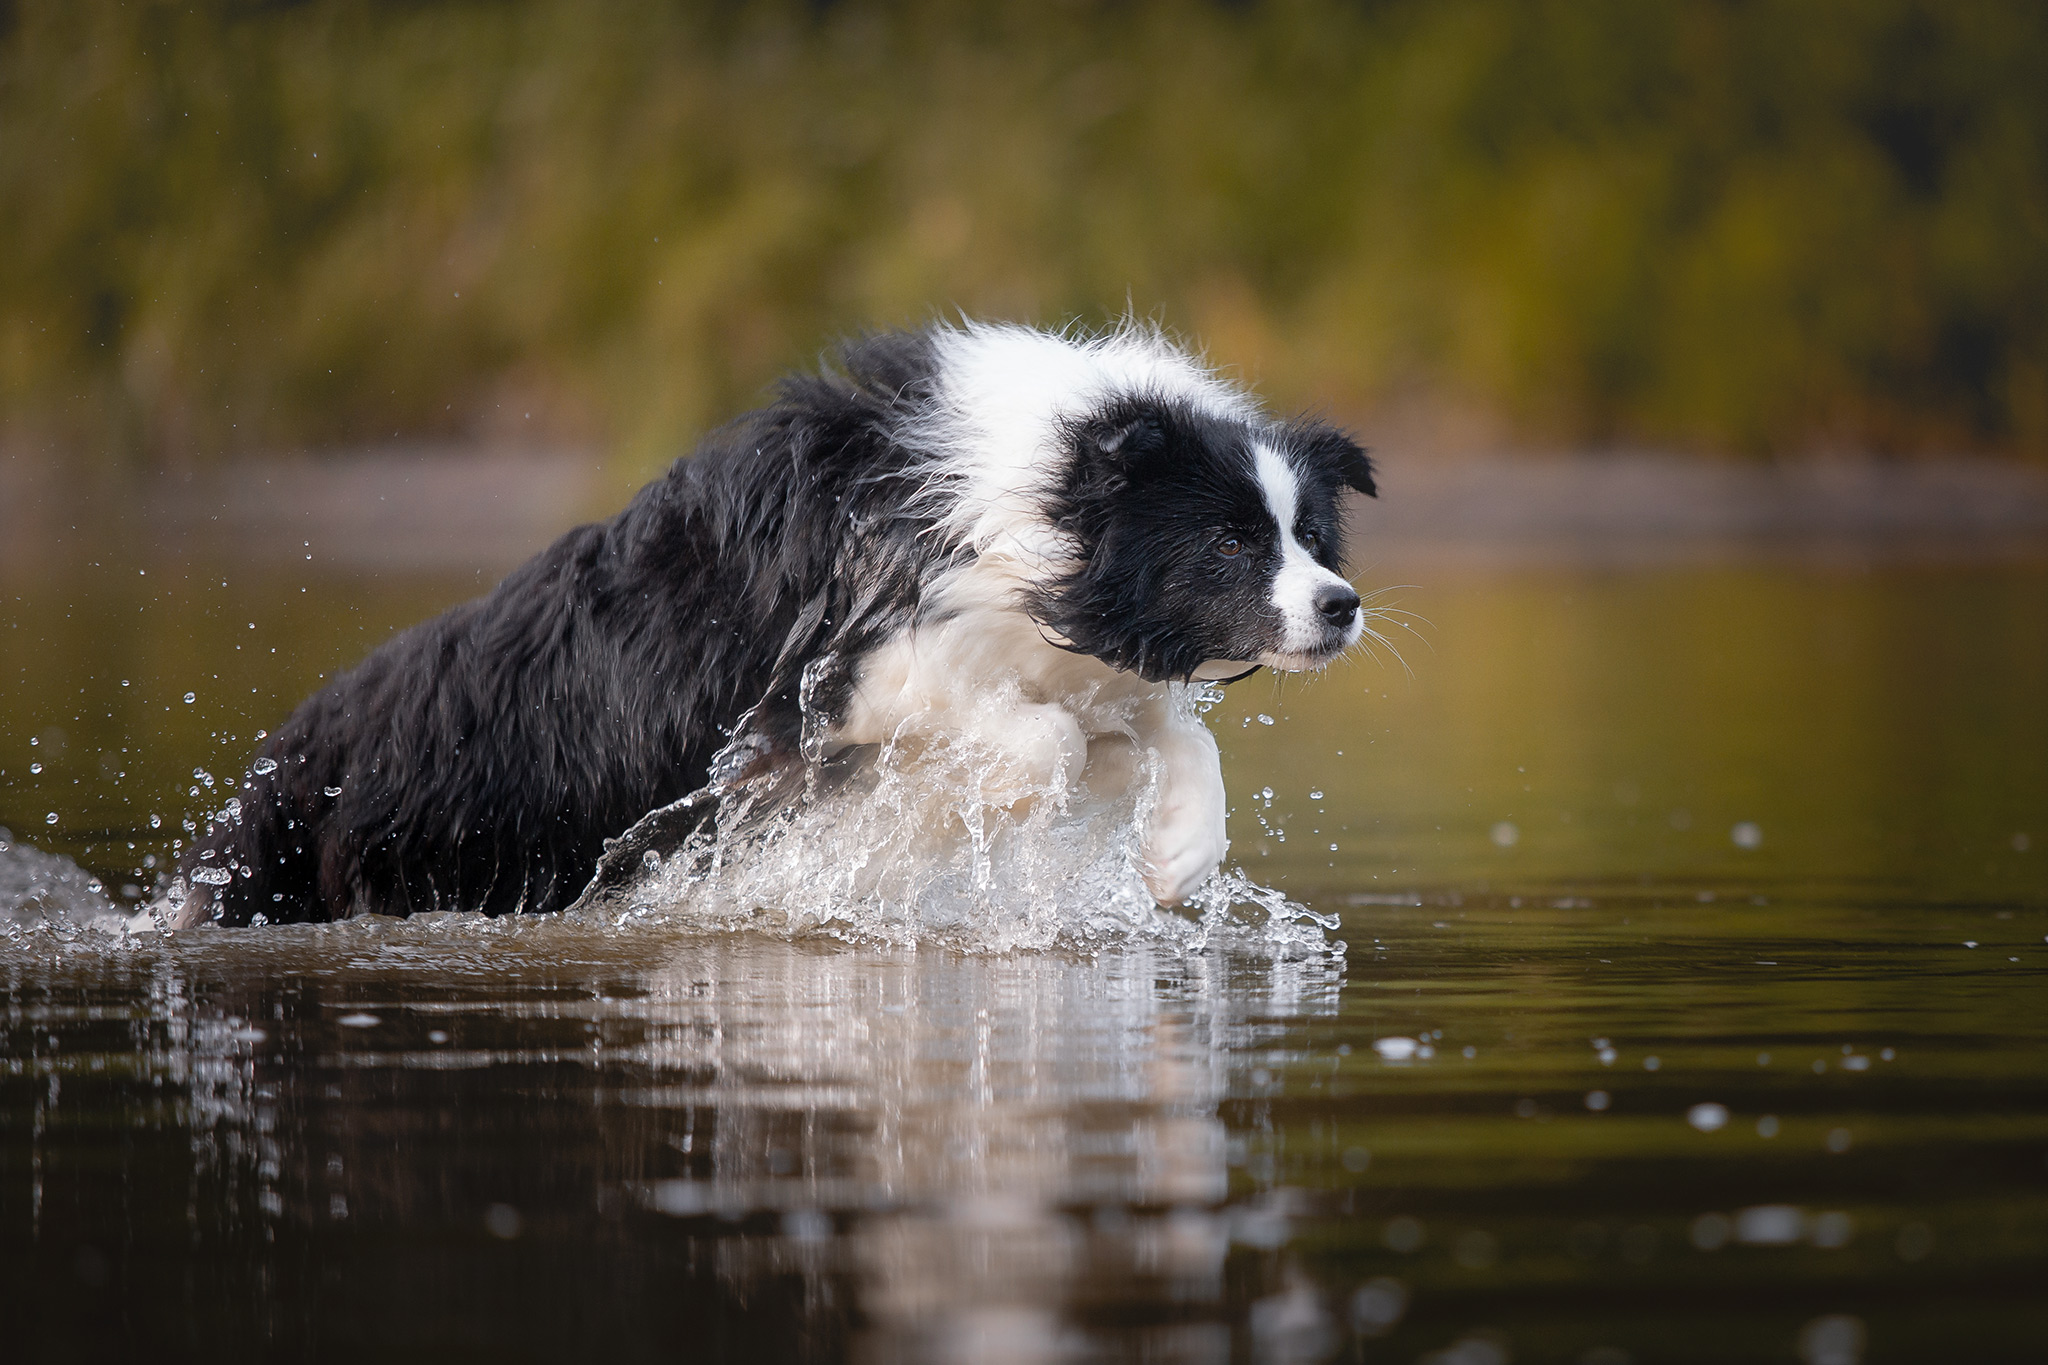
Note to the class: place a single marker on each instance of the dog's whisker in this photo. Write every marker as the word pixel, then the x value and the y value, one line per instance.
pixel 1366 632
pixel 1389 615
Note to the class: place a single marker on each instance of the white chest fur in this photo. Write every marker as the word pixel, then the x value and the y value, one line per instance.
pixel 981 672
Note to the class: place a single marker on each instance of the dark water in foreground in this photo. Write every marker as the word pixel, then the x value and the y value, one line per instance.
pixel 1693 1010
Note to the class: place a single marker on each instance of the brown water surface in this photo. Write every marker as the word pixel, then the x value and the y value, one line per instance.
pixel 1693 1010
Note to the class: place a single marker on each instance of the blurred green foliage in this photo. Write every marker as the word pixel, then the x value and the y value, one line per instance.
pixel 1752 227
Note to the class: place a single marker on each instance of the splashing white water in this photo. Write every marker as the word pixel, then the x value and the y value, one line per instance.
pixel 46 898
pixel 935 841
pixel 944 842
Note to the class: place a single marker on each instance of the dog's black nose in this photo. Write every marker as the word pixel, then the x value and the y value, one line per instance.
pixel 1338 604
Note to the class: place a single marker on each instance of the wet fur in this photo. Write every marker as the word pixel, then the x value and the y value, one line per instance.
pixel 789 568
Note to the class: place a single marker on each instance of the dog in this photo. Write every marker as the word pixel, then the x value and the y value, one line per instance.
pixel 1088 526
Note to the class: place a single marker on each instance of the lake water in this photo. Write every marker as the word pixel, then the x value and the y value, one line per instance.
pixel 1690 1008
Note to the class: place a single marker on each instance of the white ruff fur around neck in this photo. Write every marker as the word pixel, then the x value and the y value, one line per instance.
pixel 976 667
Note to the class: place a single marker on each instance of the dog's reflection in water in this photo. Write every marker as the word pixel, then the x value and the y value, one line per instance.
pixel 912 1153
pixel 991 1150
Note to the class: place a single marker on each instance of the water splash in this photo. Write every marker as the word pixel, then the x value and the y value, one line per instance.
pixel 937 841
pixel 945 842
pixel 47 900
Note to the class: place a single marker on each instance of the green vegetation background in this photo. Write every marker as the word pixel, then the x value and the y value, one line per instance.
pixel 1752 227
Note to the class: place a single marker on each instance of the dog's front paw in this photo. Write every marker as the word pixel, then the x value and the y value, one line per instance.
pixel 1184 840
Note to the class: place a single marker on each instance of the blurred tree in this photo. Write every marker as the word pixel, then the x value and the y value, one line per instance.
pixel 1746 227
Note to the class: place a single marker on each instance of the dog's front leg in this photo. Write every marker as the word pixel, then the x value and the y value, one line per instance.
pixel 1037 749
pixel 1184 839
pixel 1018 749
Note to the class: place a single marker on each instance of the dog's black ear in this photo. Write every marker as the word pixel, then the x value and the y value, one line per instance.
pixel 1358 468
pixel 1339 452
pixel 1128 435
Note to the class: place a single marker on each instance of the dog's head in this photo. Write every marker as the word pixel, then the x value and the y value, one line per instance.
pixel 1202 544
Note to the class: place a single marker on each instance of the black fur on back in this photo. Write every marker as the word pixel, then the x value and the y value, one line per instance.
pixel 479 761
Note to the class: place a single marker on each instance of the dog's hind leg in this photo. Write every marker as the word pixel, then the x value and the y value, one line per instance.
pixel 656 833
pixel 752 779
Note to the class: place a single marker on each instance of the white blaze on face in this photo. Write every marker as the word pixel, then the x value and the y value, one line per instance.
pixel 1304 635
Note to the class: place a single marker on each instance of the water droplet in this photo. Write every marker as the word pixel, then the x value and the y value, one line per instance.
pixel 1314 795
pixel 264 765
pixel 1836 1339
pixel 1265 719
pixel 1505 834
pixel 50 819
pixel 191 697
pixel 1915 1240
pixel 1476 1250
pixel 1402 1234
pixel 1378 1305
pixel 360 1019
pixel 1747 835
pixel 331 791
pixel 35 767
pixel 1770 1225
pixel 1598 1100
pixel 1832 1231
pixel 1710 1231
pixel 1394 1049
pixel 1708 1118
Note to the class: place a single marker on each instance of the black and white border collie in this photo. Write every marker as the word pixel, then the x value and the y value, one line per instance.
pixel 1083 526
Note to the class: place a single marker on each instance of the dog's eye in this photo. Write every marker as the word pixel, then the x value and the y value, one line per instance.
pixel 1310 539
pixel 1230 547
